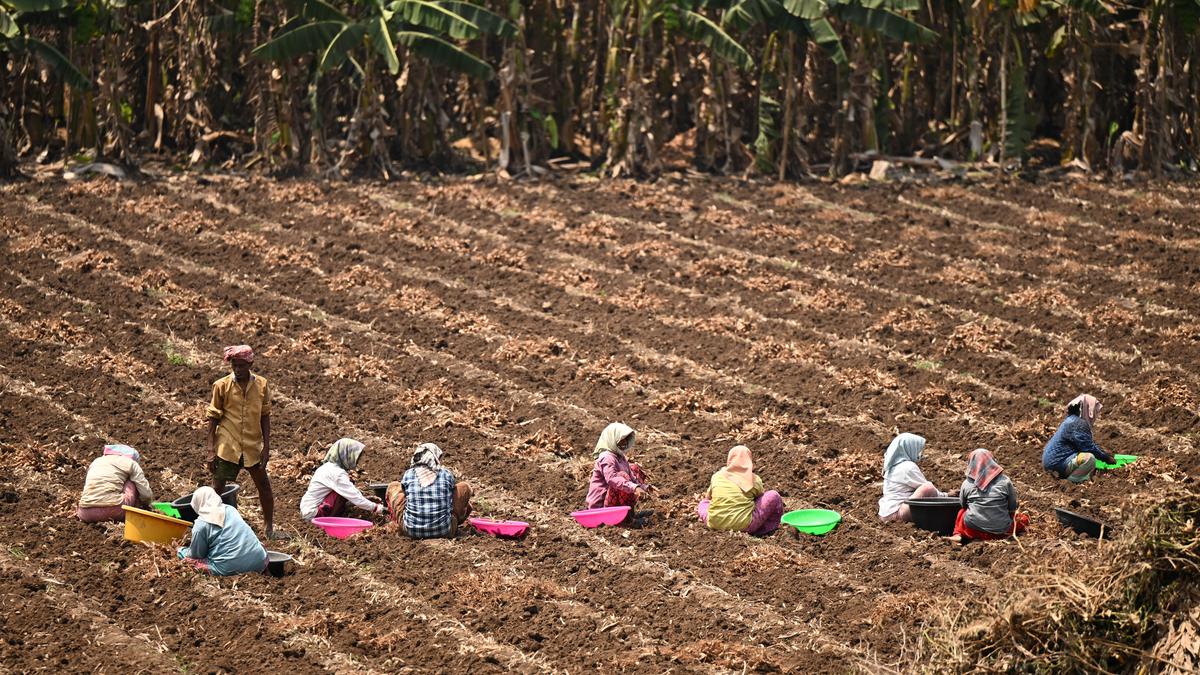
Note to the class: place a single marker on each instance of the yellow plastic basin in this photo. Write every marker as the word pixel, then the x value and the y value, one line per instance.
pixel 147 526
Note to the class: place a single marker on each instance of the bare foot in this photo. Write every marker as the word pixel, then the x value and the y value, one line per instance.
pixel 955 538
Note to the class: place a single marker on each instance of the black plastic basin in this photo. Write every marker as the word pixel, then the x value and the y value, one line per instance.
pixel 380 490
pixel 184 503
pixel 278 563
pixel 935 514
pixel 1081 524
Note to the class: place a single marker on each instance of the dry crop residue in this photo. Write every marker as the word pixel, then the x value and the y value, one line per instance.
pixel 508 322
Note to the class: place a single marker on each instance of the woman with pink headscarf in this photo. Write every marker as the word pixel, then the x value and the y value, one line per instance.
pixel 113 479
pixel 735 500
pixel 1072 451
pixel 989 502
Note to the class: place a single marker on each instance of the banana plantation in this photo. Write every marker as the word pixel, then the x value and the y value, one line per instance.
pixel 780 88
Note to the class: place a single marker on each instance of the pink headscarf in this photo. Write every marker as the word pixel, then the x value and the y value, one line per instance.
pixel 982 468
pixel 1089 407
pixel 739 467
pixel 240 352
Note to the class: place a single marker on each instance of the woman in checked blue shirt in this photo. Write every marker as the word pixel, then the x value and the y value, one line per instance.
pixel 428 502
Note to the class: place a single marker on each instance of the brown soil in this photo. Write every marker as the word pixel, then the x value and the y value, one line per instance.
pixel 509 322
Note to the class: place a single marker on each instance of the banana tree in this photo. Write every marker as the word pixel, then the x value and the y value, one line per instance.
pixel 640 34
pixel 16 17
pixel 357 44
pixel 791 25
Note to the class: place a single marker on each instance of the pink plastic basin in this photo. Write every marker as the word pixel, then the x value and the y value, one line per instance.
pixel 340 528
pixel 609 515
pixel 499 528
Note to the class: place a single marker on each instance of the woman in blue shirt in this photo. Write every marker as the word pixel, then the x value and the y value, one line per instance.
pixel 222 543
pixel 428 503
pixel 1072 452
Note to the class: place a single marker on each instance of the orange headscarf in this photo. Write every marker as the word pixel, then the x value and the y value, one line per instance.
pixel 739 467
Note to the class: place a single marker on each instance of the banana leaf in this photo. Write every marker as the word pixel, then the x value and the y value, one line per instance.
pixel 307 39
pixel 35 5
pixel 827 39
pixel 381 39
pixel 488 22
pixel 886 23
pixel 710 34
pixel 442 53
pixel 435 18
pixel 53 58
pixel 806 9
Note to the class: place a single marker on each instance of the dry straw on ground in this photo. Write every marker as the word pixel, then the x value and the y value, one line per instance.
pixel 1138 614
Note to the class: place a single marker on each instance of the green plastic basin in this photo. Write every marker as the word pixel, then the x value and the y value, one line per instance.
pixel 1122 460
pixel 166 508
pixel 812 521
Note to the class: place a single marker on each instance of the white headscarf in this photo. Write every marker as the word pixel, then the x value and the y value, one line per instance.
pixel 612 435
pixel 904 448
pixel 208 506
pixel 427 460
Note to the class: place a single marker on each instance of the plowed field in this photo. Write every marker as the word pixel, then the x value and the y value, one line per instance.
pixel 509 323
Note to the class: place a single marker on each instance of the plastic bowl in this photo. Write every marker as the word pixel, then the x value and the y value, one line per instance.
pixel 340 528
pixel 184 504
pixel 812 521
pixel 1081 524
pixel 277 563
pixel 1122 460
pixel 165 508
pixel 152 527
pixel 609 515
pixel 499 528
pixel 935 514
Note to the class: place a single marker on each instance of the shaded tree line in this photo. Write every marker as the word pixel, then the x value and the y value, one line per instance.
pixel 779 87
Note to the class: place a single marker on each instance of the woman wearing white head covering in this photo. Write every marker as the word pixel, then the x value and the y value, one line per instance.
pixel 902 478
pixel 428 502
pixel 113 479
pixel 615 480
pixel 222 543
pixel 331 488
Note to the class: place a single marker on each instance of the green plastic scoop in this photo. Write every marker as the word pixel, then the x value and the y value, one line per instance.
pixel 166 509
pixel 1121 460
pixel 812 521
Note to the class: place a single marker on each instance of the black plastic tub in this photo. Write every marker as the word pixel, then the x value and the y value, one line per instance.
pixel 278 564
pixel 184 503
pixel 935 514
pixel 1081 524
pixel 380 490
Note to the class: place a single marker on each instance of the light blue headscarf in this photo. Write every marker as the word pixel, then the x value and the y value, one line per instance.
pixel 123 451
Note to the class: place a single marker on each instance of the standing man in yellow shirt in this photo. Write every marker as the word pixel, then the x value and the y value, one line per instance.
pixel 239 429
